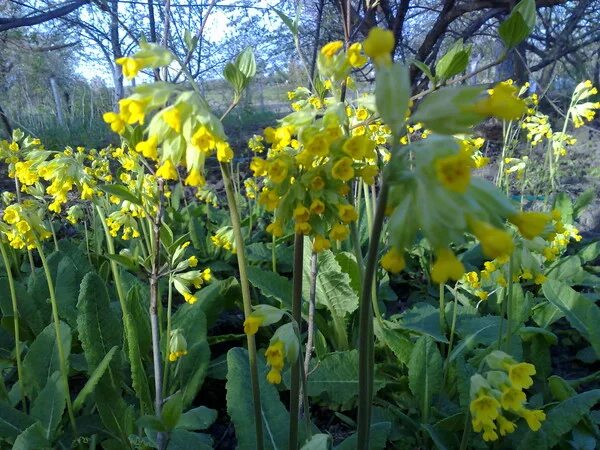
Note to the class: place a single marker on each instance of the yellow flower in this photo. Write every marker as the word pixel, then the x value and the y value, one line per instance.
pixel 520 374
pixel 275 355
pixel 485 409
pixel 132 111
pixel 318 145
pixel 203 139
pixel 167 170
pixel 275 229
pixel 148 148
pixel 188 297
pixel 274 376
pixel 317 207
pixel 379 45
pixel 259 166
pixel 269 199
pixel 114 120
pixel 393 261
pixel 512 398
pixel 472 278
pixel 530 224
pixel 86 192
pixel 252 323
pixel 342 170
pixel 356 146
pixel 505 426
pixel 483 295
pixel 355 57
pixel 447 266
pixel 193 261
pixel 277 171
pixel 339 232
pixel 347 213
pixel 172 118
pixel 502 102
pixel 368 174
pixel 301 213
pixel 540 278
pixel 131 66
pixel 494 241
pixel 224 152
pixel 331 48
pixel 454 172
pixel 317 183
pixel 320 243
pixel 302 228
pixel 195 178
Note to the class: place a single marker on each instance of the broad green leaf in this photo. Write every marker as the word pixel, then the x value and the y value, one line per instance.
pixel 199 418
pixel 32 439
pixel 41 361
pixel 590 252
pixel 317 442
pixel 564 205
pixel 423 68
pixel 446 111
pixel 246 63
pixel 425 372
pixel 185 440
pixel 377 439
pixel 562 418
pixel 50 404
pixel 121 192
pixel 395 339
pixel 240 404
pixel 582 314
pixel 513 30
pixel 271 284
pixel 13 422
pixel 171 411
pixel 219 295
pixel 454 61
pixel 335 378
pixel 235 77
pixel 99 327
pixel 583 201
pixel 348 264
pixel 291 24
pixel 481 330
pixel 93 380
pixel 424 319
pixel 334 292
pixel 392 93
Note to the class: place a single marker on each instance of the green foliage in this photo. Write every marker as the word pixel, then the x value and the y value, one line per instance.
pixel 425 373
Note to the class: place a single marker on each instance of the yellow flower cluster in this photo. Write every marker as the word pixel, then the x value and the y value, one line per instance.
pixel 275 356
pixel 22 225
pixel 224 239
pixel 499 395
pixel 581 111
pixel 177 345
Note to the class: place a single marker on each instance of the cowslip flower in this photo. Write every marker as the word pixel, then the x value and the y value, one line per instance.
pixel 343 170
pixel 379 45
pixel 454 172
pixel 252 323
pixel 393 261
pixel 494 241
pixel 446 266
pixel 501 102
pixel 320 244
pixel 530 224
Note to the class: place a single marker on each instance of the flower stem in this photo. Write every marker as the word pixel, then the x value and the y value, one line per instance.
pixel 13 297
pixel 365 337
pixel 61 353
pixel 167 334
pixel 247 301
pixel 297 316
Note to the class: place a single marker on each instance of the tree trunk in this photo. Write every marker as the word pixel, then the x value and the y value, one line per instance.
pixel 115 44
pixel 5 123
pixel 57 102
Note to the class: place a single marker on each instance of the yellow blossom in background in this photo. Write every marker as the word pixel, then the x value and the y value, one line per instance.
pixel 494 241
pixel 446 267
pixel 502 102
pixel 393 261
pixel 355 57
pixel 114 120
pixel 379 45
pixel 320 244
pixel 343 170
pixel 329 50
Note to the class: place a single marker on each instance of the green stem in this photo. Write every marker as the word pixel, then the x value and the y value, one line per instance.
pixel 442 309
pixel 61 353
pixel 297 316
pixel 168 334
pixel 451 343
pixel 247 301
pixel 13 297
pixel 365 337
pixel 53 235
pixel 273 255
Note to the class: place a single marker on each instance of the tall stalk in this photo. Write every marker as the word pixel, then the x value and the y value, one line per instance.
pixel 365 336
pixel 247 301
pixel 13 297
pixel 297 316
pixel 154 277
pixel 61 354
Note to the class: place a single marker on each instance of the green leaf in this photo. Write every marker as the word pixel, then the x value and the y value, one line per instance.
pixel 335 378
pixel 590 252
pixel 92 381
pixel 425 372
pixel 12 421
pixel 235 77
pixel 32 439
pixel 50 404
pixel 377 440
pixel 41 361
pixel 395 339
pixel 513 30
pixel 454 61
pixel 423 68
pixel 562 419
pixel 291 24
pixel 246 63
pixel 446 110
pixel 317 442
pixel 423 318
pixel 122 192
pixel 199 418
pixel 171 411
pixel 98 325
pixel 271 284
pixel 185 440
pixel 583 201
pixel 582 313
pixel 348 264
pixel 240 404
pixel 564 205
pixel 392 93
